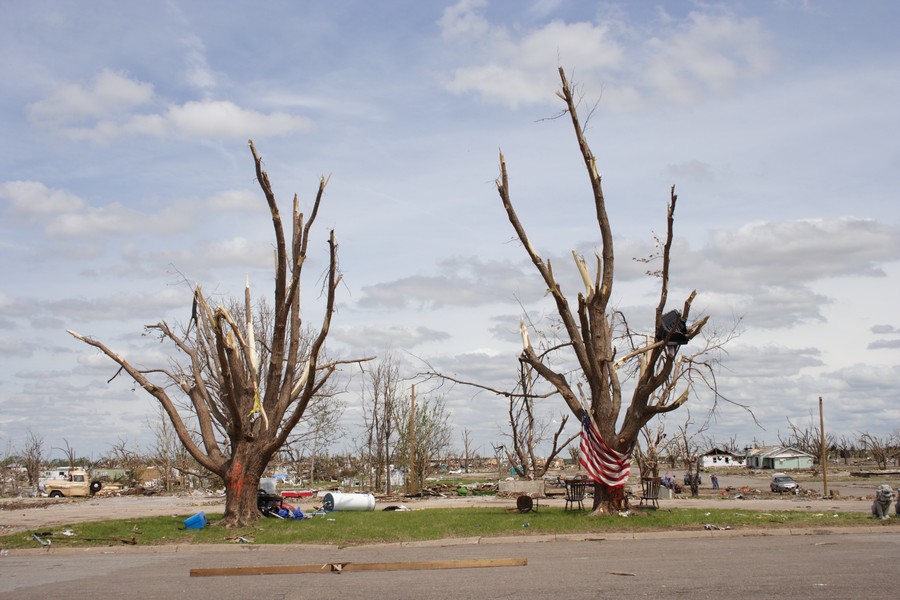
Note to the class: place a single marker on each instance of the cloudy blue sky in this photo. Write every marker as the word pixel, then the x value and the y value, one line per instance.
pixel 125 171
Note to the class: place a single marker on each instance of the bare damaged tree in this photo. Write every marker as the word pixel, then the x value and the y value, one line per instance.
pixel 381 396
pixel 165 447
pixel 131 461
pixel 9 474
pixel 878 447
pixel 317 430
pixel 467 449
pixel 686 446
pixel 656 442
pixel 846 447
pixel 729 445
pixel 574 454
pixel 527 431
pixel 169 456
pixel 430 437
pixel 32 455
pixel 71 455
pixel 499 450
pixel 663 379
pixel 244 395
pixel 807 439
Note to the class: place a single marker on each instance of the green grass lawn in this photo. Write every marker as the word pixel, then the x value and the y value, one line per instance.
pixel 352 528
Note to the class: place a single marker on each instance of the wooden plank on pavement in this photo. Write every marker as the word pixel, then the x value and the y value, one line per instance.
pixel 338 567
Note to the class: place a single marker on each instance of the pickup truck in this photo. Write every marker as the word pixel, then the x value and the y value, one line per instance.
pixel 78 484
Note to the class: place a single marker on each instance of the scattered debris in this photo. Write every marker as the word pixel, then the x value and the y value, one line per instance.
pixel 131 542
pixel 623 573
pixel 338 501
pixel 42 541
pixel 525 503
pixel 879 473
pixel 296 494
pixel 711 527
pixel 197 521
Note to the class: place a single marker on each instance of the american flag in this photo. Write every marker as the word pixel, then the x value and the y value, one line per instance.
pixel 602 463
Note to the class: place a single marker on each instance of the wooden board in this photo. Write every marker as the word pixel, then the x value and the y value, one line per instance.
pixel 349 566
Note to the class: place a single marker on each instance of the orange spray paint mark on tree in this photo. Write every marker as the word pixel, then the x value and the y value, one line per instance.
pixel 237 478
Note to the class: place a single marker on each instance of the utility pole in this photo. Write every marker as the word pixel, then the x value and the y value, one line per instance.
pixel 824 450
pixel 412 442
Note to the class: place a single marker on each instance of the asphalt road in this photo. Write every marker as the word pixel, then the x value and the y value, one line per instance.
pixel 719 564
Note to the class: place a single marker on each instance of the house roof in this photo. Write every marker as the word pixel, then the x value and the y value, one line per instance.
pixel 777 452
pixel 718 452
pixel 761 450
pixel 786 451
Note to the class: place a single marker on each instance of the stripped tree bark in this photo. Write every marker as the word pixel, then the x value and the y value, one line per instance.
pixel 244 394
pixel 662 376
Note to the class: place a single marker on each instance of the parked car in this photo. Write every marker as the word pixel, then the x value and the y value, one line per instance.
pixel 784 483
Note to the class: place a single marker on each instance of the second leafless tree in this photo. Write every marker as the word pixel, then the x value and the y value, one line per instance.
pixel 600 342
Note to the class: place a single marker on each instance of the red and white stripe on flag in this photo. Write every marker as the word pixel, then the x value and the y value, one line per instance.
pixel 602 463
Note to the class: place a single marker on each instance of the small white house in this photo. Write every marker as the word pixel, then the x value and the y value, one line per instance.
pixel 718 458
pixel 781 458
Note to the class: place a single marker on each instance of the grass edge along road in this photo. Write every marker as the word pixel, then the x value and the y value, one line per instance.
pixel 372 527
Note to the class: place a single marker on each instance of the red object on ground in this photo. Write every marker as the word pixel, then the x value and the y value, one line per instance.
pixel 296 494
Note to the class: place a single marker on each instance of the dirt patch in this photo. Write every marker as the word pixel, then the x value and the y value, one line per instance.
pixel 21 504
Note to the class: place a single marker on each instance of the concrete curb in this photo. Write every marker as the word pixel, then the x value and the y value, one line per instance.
pixel 450 542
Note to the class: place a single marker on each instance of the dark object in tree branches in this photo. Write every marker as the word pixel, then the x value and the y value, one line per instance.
pixel 674 327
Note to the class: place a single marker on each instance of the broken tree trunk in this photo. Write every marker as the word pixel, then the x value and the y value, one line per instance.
pixel 242 478
pixel 608 500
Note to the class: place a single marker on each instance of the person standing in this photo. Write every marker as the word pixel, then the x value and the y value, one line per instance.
pixel 715 481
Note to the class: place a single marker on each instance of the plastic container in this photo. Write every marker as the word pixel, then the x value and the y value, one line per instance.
pixel 267 484
pixel 337 501
pixel 197 521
